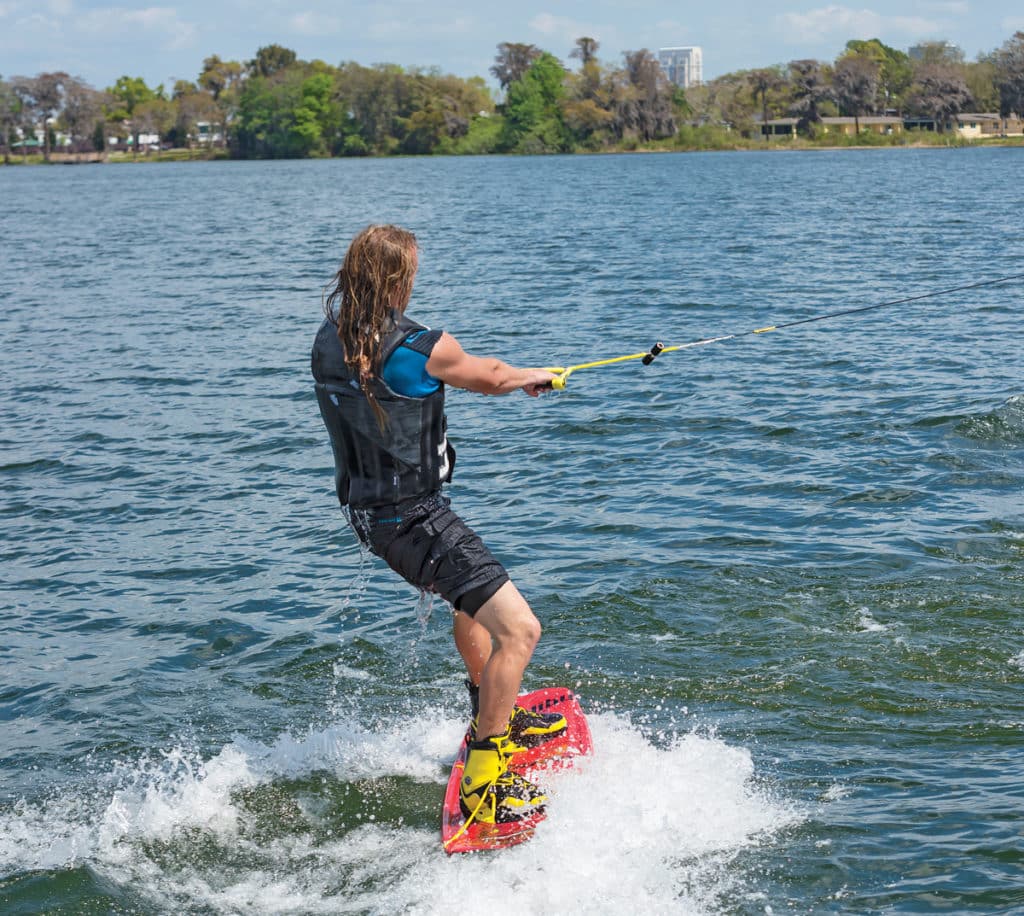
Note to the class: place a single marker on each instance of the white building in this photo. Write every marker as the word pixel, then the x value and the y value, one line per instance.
pixel 683 66
pixel 948 50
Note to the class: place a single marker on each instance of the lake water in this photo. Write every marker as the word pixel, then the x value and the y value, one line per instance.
pixel 784 572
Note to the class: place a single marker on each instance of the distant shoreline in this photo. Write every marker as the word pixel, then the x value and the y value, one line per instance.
pixel 798 145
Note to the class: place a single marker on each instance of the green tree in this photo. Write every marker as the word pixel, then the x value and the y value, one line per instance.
pixel 270 60
pixel 724 102
pixel 980 77
pixel 895 73
pixel 372 97
pixel 1009 65
pixel 287 116
pixel 587 103
pixel 223 79
pixel 533 118
pixel 125 96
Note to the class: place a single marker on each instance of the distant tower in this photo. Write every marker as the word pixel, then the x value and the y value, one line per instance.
pixel 683 66
pixel 945 49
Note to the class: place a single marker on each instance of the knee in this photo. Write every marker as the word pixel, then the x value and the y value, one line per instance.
pixel 529 634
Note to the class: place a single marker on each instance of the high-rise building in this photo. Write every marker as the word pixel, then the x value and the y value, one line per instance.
pixel 944 49
pixel 683 66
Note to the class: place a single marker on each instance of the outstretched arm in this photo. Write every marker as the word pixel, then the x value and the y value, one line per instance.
pixel 483 374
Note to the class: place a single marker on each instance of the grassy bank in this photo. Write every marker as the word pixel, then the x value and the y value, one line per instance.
pixel 688 139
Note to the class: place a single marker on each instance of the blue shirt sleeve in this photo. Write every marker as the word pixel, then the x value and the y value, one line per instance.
pixel 405 372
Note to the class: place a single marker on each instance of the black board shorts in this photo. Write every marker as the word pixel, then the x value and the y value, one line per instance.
pixel 430 547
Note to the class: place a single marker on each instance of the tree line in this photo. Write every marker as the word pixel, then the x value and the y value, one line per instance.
pixel 278 106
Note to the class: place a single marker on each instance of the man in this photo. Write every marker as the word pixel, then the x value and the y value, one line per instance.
pixel 380 382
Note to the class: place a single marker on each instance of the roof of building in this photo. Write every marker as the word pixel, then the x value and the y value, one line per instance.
pixel 864 119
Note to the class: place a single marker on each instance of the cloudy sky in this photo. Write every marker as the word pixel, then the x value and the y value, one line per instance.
pixel 100 41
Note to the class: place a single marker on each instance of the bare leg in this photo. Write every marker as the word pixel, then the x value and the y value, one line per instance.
pixel 474 645
pixel 515 630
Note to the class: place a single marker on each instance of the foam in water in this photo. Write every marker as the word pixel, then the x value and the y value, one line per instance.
pixel 635 827
pixel 868 624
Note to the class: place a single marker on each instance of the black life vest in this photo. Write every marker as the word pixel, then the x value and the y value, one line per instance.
pixel 410 458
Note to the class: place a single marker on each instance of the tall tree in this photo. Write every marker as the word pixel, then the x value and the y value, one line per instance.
pixel 940 92
pixel 533 118
pixel 10 117
pixel 585 50
pixel 586 108
pixel 126 95
pixel 154 116
pixel 223 79
pixel 810 89
pixel 41 98
pixel 512 61
pixel 855 80
pixel 762 82
pixel 645 104
pixel 83 112
pixel 270 60
pixel 895 73
pixel 194 107
pixel 1009 61
pixel 980 77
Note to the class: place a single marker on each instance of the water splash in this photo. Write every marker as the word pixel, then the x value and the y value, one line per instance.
pixel 343 820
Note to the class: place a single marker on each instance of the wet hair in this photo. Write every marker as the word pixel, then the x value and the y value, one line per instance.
pixel 372 286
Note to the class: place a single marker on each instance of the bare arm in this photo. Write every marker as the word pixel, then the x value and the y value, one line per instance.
pixel 485 375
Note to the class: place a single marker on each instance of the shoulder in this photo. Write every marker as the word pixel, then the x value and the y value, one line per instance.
pixel 327 357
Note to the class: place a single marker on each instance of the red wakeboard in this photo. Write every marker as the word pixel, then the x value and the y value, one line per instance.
pixel 556 753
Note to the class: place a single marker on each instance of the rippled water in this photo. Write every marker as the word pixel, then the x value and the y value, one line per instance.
pixel 784 571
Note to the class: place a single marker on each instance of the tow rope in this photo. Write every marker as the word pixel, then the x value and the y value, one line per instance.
pixel 562 373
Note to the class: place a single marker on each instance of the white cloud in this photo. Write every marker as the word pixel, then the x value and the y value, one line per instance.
pixel 35 11
pixel 562 28
pixel 310 23
pixel 160 20
pixel 840 21
pixel 416 29
pixel 950 7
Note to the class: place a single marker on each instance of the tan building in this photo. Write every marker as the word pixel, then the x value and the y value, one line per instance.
pixel 976 125
pixel 786 127
pixel 876 124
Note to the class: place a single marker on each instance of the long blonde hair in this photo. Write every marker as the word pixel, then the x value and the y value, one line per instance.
pixel 373 284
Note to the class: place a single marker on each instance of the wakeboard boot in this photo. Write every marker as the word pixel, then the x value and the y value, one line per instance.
pixel 526 728
pixel 489 792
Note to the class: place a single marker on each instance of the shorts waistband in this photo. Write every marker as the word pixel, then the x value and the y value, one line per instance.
pixel 379 516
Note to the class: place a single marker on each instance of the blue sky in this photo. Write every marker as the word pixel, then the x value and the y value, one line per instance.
pixel 100 41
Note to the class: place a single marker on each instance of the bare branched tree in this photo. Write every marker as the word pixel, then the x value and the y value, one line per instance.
pixel 512 61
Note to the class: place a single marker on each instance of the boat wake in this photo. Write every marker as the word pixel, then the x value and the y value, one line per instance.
pixel 346 820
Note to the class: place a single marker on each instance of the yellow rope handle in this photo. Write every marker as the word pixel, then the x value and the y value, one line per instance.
pixel 562 373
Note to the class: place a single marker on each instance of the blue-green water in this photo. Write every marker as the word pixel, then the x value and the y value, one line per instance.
pixel 785 572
